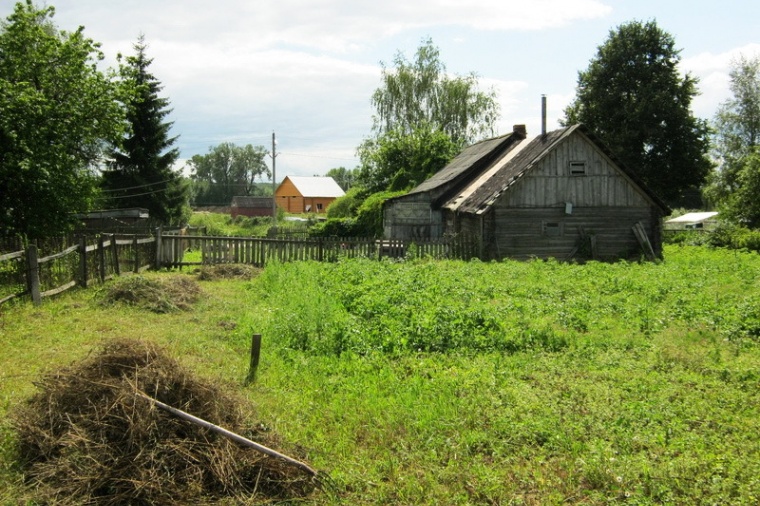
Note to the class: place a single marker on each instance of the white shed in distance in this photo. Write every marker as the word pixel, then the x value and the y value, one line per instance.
pixel 690 221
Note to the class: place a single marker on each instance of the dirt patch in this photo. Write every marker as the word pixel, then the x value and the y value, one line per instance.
pixel 87 438
pixel 161 295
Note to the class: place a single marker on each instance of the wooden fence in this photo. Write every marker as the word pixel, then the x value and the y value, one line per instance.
pixel 25 273
pixel 107 255
pixel 185 250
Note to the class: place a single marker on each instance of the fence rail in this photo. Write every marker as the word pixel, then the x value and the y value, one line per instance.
pixel 24 273
pixel 107 255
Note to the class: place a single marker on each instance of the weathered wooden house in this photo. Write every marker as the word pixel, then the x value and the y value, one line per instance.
pixel 251 206
pixel 307 194
pixel 562 194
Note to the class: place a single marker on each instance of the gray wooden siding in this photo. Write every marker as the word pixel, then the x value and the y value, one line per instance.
pixel 519 233
pixel 411 218
pixel 550 183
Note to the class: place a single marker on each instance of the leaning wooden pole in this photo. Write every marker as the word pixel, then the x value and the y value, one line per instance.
pixel 228 434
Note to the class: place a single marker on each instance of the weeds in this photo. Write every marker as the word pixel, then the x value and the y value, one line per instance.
pixel 422 382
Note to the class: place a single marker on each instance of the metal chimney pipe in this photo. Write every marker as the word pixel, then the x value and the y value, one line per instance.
pixel 543 115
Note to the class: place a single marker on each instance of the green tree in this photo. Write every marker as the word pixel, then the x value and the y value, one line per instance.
pixel 57 112
pixel 346 206
pixel 141 172
pixel 424 117
pixel 227 170
pixel 742 205
pixel 401 159
pixel 421 93
pixel 345 178
pixel 634 98
pixel 737 130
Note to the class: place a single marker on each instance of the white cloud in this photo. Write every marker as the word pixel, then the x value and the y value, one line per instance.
pixel 713 72
pixel 337 26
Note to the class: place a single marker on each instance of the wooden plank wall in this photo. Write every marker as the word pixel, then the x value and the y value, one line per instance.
pixel 519 233
pixel 412 219
pixel 550 184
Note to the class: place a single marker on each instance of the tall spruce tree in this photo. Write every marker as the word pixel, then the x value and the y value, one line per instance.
pixel 140 173
pixel 633 96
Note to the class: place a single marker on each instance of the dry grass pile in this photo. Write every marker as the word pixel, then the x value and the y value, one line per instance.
pixel 227 271
pixel 161 295
pixel 87 438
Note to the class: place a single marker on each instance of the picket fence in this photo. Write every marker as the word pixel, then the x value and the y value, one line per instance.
pixel 98 259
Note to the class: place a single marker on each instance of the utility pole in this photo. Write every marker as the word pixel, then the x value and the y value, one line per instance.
pixel 274 180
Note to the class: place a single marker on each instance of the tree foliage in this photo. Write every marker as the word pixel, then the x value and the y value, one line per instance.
pixel 424 117
pixel 421 93
pixel 367 222
pixel 346 206
pixel 742 205
pixel 633 96
pixel 141 172
pixel 400 159
pixel 346 178
pixel 737 132
pixel 57 110
pixel 227 170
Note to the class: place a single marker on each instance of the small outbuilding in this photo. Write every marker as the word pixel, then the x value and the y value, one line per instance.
pixel 562 194
pixel 298 194
pixel 693 221
pixel 115 220
pixel 251 206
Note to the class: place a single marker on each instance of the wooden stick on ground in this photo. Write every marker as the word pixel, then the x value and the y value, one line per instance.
pixel 228 434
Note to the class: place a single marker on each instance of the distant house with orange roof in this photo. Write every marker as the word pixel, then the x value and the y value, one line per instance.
pixel 297 194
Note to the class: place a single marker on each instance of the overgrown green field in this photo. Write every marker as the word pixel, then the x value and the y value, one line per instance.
pixel 465 383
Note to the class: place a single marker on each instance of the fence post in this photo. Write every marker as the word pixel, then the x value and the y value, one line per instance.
pixel 83 261
pixel 101 258
pixel 137 254
pixel 159 247
pixel 255 354
pixel 116 267
pixel 33 274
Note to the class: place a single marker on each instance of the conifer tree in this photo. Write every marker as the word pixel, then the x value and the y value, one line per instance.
pixel 141 172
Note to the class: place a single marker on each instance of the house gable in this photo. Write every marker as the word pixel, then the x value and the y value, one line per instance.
pixel 577 172
pixel 563 166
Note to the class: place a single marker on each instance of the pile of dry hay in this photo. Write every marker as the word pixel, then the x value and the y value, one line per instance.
pixel 227 271
pixel 86 437
pixel 159 295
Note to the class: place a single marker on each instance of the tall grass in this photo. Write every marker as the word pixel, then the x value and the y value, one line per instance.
pixel 467 383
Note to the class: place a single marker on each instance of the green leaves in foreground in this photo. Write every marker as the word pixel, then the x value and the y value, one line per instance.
pixel 363 306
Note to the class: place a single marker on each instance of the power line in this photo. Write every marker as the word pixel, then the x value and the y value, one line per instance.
pixel 136 187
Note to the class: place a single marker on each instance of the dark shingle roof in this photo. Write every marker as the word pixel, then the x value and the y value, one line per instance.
pixel 464 162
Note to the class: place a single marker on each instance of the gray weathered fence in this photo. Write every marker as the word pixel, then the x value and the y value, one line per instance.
pixel 108 255
pixel 208 250
pixel 25 273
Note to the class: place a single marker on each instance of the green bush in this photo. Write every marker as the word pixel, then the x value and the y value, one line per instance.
pixel 735 237
pixel 369 215
pixel 345 206
pixel 334 227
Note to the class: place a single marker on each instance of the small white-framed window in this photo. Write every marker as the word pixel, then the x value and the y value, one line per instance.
pixel 577 168
pixel 552 228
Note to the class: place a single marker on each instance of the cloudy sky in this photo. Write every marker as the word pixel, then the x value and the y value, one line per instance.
pixel 239 70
